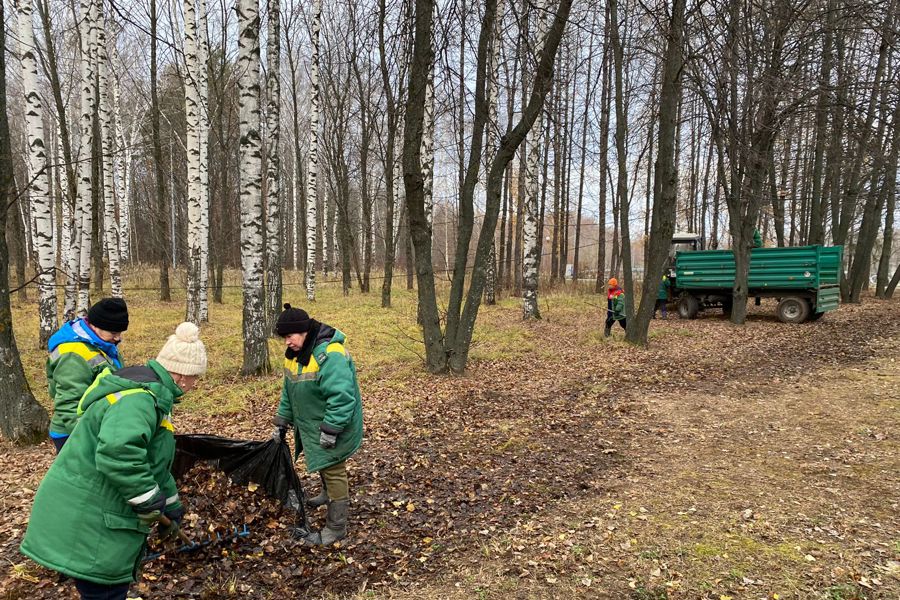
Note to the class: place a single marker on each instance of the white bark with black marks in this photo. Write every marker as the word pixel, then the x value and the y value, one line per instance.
pixel 313 168
pixel 110 222
pixel 39 192
pixel 274 257
pixel 531 261
pixel 256 350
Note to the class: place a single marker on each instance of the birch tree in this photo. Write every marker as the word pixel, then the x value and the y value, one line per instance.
pixel 40 192
pixel 90 15
pixel 22 419
pixel 256 349
pixel 531 262
pixel 493 127
pixel 274 251
pixel 203 87
pixel 110 221
pixel 192 136
pixel 312 171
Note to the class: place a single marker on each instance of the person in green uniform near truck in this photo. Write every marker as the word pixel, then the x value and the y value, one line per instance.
pixel 662 296
pixel 321 401
pixel 79 351
pixel 111 481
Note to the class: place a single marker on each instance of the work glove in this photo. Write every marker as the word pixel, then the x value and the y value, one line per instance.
pixel 327 440
pixel 282 426
pixel 175 514
pixel 148 512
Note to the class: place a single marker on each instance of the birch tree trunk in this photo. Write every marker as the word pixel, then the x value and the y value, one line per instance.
pixel 84 213
pixel 531 258
pixel 122 167
pixel 41 203
pixel 274 252
pixel 202 74
pixel 22 419
pixel 110 222
pixel 312 175
pixel 256 349
pixel 68 246
pixel 493 126
pixel 192 135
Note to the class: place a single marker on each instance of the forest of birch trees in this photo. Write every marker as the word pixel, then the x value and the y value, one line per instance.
pixel 485 149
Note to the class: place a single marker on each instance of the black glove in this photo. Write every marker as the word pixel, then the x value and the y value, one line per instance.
pixel 327 440
pixel 282 426
pixel 175 514
pixel 148 512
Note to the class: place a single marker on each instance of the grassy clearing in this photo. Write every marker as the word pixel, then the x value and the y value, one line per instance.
pixel 386 343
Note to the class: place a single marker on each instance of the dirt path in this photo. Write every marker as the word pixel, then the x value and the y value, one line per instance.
pixel 763 484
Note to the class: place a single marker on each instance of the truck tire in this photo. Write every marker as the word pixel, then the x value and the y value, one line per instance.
pixel 688 307
pixel 793 310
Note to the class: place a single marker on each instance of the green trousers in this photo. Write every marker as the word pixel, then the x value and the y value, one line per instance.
pixel 336 482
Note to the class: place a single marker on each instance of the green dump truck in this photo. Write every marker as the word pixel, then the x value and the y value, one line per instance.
pixel 804 279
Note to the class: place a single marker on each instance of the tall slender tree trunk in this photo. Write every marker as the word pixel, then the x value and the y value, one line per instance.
pixel 22 419
pixel 312 170
pixel 88 31
pixel 890 193
pixel 603 161
pixel 192 118
pixel 665 185
pixel 110 222
pixel 165 294
pixel 203 85
pixel 41 190
pixel 531 262
pixel 274 228
pixel 256 349
pixel 622 172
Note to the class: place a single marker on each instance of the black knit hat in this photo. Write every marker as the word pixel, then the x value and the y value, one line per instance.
pixel 110 314
pixel 292 320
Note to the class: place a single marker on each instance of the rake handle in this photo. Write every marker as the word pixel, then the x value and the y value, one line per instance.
pixel 167 522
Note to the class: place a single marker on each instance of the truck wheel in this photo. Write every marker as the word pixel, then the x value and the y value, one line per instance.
pixel 688 307
pixel 793 310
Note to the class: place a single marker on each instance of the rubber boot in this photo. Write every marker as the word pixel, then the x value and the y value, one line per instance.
pixel 321 499
pixel 335 525
pixel 607 331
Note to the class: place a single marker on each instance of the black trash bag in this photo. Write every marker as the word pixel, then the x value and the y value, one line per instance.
pixel 268 464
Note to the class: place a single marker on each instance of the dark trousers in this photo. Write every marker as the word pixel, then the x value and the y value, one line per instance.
pixel 610 321
pixel 97 591
pixel 58 443
pixel 660 304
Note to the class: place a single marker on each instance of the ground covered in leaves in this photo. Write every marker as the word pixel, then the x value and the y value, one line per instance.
pixel 721 462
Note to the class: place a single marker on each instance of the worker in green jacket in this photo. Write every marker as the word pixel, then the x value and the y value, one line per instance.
pixel 80 351
pixel 111 482
pixel 615 306
pixel 662 296
pixel 320 399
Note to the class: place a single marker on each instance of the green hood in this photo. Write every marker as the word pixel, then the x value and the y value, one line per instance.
pixel 164 389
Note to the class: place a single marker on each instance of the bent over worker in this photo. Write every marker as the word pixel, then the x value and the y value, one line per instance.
pixel 79 351
pixel 320 399
pixel 112 481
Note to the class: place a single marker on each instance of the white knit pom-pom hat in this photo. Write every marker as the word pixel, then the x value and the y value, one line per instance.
pixel 183 352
